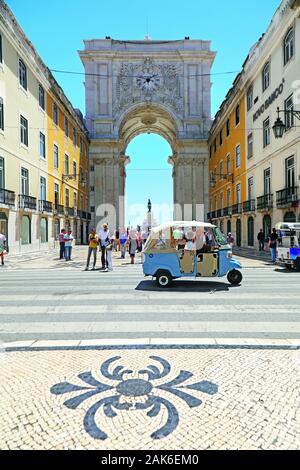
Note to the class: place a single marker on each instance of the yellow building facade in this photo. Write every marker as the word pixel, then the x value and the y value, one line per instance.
pixel 227 164
pixel 40 132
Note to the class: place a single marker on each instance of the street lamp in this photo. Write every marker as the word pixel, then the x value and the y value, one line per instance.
pixel 279 127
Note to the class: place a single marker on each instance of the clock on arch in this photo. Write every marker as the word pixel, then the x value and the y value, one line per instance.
pixel 148 82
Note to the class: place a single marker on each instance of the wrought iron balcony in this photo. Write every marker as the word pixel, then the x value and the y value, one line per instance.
pixel 264 202
pixel 236 208
pixel 45 206
pixel 27 202
pixel 59 209
pixel 249 206
pixel 287 196
pixel 71 211
pixel 7 197
pixel 83 215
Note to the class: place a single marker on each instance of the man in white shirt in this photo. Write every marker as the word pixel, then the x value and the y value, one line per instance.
pixel 104 241
pixel 2 247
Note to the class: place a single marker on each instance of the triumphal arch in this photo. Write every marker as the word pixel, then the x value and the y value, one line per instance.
pixel 133 87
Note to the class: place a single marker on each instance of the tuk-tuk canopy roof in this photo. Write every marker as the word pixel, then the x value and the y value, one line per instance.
pixel 287 226
pixel 181 224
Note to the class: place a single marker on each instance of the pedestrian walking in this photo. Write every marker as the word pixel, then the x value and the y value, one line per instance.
pixel 230 239
pixel 273 244
pixel 68 245
pixel 261 240
pixel 123 240
pixel 2 247
pixel 61 239
pixel 139 239
pixel 109 248
pixel 104 241
pixel 117 244
pixel 93 246
pixel 132 245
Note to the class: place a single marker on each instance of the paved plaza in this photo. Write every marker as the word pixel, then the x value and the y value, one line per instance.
pixel 94 360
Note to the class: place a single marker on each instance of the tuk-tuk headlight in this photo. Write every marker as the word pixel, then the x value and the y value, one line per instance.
pixel 229 254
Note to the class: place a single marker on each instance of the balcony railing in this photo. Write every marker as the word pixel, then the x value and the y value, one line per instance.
pixel 45 206
pixel 71 211
pixel 83 215
pixel 237 208
pixel 59 209
pixel 7 197
pixel 27 202
pixel 249 206
pixel 287 196
pixel 264 202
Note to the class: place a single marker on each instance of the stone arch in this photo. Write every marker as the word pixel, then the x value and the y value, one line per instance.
pixel 134 87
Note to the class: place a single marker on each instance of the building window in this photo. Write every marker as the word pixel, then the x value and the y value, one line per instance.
pixel 266 132
pixel 92 168
pixel 290 173
pixel 1 50
pixel 238 193
pixel 210 152
pixel 74 136
pixel 75 199
pixel 81 147
pixel 66 127
pixel 55 114
pixel 66 164
pixel 2 173
pixel 24 130
pixel 228 128
pixel 288 46
pixel 221 169
pixel 22 74
pixel 221 137
pixel 42 97
pixel 289 118
pixel 74 170
pixel 56 195
pixel 1 114
pixel 250 145
pixel 249 98
pixel 238 156
pixel 44 230
pixel 43 189
pixel 215 145
pixel 24 181
pixel 228 164
pixel 251 188
pixel 67 198
pixel 266 76
pixel 289 217
pixel 55 156
pixel 26 230
pixel 42 145
pixel 228 197
pixel 267 181
pixel 237 115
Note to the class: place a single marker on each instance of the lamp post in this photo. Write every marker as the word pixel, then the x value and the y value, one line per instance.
pixel 279 127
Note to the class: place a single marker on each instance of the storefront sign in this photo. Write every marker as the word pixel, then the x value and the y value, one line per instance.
pixel 269 101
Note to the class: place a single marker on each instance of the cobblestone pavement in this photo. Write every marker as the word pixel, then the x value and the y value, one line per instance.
pixel 143 398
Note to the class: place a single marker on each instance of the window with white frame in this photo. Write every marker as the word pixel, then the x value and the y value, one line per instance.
pixel 221 137
pixel 228 127
pixel 266 76
pixel 288 107
pixel 66 127
pixel 55 114
pixel 42 145
pixel 290 176
pixel 250 98
pixel 237 115
pixel 24 182
pixel 2 173
pixel 266 132
pixel 74 170
pixel 43 189
pixel 55 156
pixel 1 114
pixel 251 188
pixel 238 193
pixel 221 169
pixel 74 136
pixel 56 195
pixel 288 46
pixel 250 145
pixel 228 197
pixel 66 164
pixel 267 181
pixel 1 50
pixel 222 201
pixel 228 164
pixel 24 130
pixel 41 97
pixel 22 74
pixel 238 156
pixel 67 198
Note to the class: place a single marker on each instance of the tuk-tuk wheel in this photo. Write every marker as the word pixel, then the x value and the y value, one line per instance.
pixel 297 264
pixel 163 278
pixel 234 277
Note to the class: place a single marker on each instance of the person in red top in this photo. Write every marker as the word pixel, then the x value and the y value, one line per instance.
pixel 61 239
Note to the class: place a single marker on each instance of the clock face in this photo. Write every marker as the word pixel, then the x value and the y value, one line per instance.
pixel 148 82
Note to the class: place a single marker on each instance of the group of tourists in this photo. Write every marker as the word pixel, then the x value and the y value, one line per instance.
pixel 65 239
pixel 271 241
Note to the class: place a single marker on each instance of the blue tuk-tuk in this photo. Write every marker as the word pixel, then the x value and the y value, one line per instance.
pixel 188 249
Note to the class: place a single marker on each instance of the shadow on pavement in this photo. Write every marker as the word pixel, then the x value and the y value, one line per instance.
pixel 185 286
pixel 286 271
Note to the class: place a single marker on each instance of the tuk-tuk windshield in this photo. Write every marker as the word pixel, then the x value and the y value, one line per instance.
pixel 220 237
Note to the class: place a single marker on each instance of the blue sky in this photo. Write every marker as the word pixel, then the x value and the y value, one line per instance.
pixel 57 29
